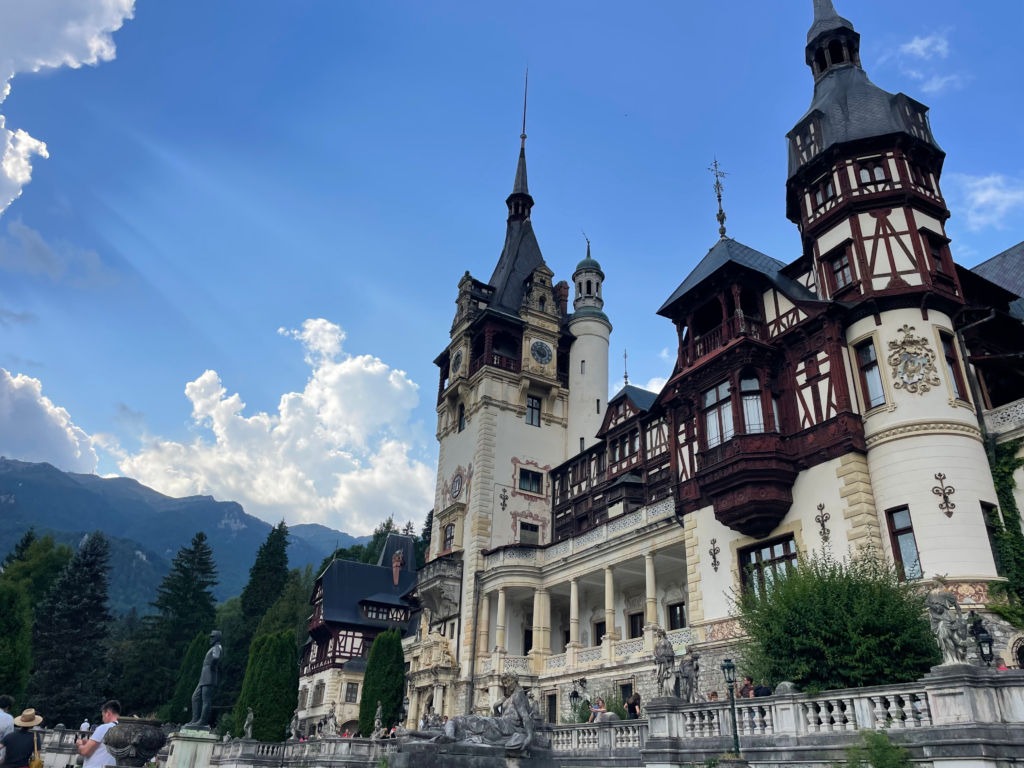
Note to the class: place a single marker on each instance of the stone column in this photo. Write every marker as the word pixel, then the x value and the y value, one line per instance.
pixel 483 622
pixel 545 623
pixel 413 715
pixel 438 701
pixel 574 613
pixel 609 603
pixel 499 631
pixel 538 631
pixel 652 590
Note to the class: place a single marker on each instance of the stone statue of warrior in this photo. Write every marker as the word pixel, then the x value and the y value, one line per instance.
pixel 689 669
pixel 665 662
pixel 950 633
pixel 202 698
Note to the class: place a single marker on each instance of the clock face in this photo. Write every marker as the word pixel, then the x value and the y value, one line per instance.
pixel 457 362
pixel 541 352
pixel 456 486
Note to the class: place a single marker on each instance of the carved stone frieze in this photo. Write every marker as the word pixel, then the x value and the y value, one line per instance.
pixel 913 363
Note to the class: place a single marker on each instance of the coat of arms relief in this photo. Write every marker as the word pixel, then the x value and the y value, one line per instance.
pixel 913 363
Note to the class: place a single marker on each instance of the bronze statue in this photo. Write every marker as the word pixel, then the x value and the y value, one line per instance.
pixel 202 698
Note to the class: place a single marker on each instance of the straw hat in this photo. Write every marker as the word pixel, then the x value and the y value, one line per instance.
pixel 28 719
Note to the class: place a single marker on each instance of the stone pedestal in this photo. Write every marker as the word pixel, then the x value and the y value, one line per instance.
pixel 190 749
pixel 963 693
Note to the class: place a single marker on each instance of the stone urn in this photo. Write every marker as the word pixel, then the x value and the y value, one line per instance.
pixel 133 742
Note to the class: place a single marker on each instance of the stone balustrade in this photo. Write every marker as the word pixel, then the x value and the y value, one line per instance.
pixel 1006 422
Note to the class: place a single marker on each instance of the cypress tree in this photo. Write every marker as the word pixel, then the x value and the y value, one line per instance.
pixel 267 579
pixel 15 639
pixel 270 685
pixel 71 677
pixel 179 710
pixel 384 681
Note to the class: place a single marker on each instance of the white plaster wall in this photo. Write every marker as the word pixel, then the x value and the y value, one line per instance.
pixel 834 237
pixel 903 473
pixel 591 345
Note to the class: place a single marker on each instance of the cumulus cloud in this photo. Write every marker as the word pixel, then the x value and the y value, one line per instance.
pixel 655 384
pixel 38 34
pixel 32 428
pixel 338 452
pixel 927 47
pixel 985 201
pixel 27 251
pixel 940 84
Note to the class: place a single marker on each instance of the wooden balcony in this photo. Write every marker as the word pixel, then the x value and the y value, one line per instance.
pixel 707 343
pixel 496 361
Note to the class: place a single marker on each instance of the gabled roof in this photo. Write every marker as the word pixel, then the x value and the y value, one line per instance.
pixel 727 251
pixel 1005 269
pixel 520 256
pixel 346 584
pixel 395 542
pixel 642 398
pixel 630 478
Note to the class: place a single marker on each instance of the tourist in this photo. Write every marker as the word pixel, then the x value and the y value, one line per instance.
pixel 713 696
pixel 93 749
pixel 20 744
pixel 85 727
pixel 747 691
pixel 761 690
pixel 444 720
pixel 6 719
pixel 597 710
pixel 633 706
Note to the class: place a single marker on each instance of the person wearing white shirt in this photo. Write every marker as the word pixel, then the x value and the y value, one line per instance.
pixel 84 727
pixel 92 748
pixel 6 720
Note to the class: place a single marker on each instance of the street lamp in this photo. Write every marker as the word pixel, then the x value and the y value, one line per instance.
pixel 729 671
pixel 982 638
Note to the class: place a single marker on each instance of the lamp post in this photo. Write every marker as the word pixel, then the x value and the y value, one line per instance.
pixel 982 638
pixel 729 671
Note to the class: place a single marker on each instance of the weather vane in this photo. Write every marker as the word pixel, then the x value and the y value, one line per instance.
pixel 625 367
pixel 719 174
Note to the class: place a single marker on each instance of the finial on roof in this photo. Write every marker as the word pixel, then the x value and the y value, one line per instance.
pixel 588 241
pixel 625 367
pixel 719 174
pixel 526 90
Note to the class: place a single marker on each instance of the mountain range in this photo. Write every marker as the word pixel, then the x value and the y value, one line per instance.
pixel 146 528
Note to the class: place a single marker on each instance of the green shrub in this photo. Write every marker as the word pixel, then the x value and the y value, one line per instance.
pixel 384 681
pixel 831 623
pixel 270 685
pixel 876 751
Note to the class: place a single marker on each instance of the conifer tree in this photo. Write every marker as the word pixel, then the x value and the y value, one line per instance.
pixel 267 579
pixel 179 710
pixel 19 549
pixel 423 543
pixel 291 610
pixel 384 681
pixel 270 686
pixel 71 677
pixel 185 597
pixel 15 639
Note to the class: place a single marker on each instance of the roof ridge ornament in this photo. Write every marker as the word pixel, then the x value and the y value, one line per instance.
pixel 719 174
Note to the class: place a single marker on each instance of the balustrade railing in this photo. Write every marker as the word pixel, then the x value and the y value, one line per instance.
pixel 1007 418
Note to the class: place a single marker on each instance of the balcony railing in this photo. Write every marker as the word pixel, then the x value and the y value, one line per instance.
pixel 495 360
pixel 1006 422
pixel 716 338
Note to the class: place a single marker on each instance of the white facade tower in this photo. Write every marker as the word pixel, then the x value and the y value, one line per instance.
pixel 588 358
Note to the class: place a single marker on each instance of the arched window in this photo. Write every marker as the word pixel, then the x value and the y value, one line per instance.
pixel 835 52
pixel 449 536
pixel 543 303
pixel 753 417
pixel 462 417
pixel 819 59
pixel 588 288
pixel 879 173
pixel 865 176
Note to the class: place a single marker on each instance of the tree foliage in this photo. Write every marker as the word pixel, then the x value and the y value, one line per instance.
pixel 21 547
pixel 36 565
pixel 15 640
pixel 179 709
pixel 423 542
pixel 270 686
pixel 71 677
pixel 291 610
pixel 184 598
pixel 876 751
pixel 1008 536
pixel 384 681
pixel 836 624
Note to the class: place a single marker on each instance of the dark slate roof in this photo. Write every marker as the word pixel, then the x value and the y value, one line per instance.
pixel 642 398
pixel 629 477
pixel 346 584
pixel 397 542
pixel 851 107
pixel 520 256
pixel 1005 269
pixel 385 598
pixel 520 187
pixel 825 19
pixel 728 250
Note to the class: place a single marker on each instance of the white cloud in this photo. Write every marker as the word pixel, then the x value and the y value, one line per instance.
pixel 9 317
pixel 938 84
pixel 338 452
pixel 926 47
pixel 32 428
pixel 655 384
pixel 986 200
pixel 667 355
pixel 26 251
pixel 37 34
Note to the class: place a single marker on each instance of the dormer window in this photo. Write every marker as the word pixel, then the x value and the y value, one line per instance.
pixel 824 192
pixel 807 141
pixel 872 171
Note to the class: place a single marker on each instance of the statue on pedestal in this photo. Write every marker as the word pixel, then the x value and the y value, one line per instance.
pixel 689 670
pixel 202 698
pixel 664 661
pixel 247 728
pixel 378 722
pixel 293 728
pixel 331 722
pixel 950 632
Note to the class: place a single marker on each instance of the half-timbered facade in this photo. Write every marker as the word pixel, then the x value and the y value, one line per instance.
pixel 840 400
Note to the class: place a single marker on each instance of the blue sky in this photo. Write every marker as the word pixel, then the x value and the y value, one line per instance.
pixel 240 169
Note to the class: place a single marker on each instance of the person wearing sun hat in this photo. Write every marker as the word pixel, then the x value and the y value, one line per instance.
pixel 19 745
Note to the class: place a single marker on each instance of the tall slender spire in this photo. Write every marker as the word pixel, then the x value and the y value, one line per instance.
pixel 825 18
pixel 625 367
pixel 526 90
pixel 519 202
pixel 719 174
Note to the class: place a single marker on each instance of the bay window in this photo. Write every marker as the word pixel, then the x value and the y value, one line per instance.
pixel 718 414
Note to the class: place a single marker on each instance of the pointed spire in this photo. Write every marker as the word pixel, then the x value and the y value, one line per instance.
pixel 625 367
pixel 520 186
pixel 719 174
pixel 825 18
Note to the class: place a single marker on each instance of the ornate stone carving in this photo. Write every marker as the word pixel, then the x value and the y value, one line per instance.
pixel 950 630
pixel 913 363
